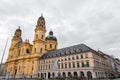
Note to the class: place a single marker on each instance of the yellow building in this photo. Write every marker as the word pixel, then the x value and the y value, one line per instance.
pixel 43 59
pixel 23 57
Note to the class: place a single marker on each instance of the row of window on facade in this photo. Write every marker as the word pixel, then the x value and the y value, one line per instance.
pixel 26 50
pixel 70 58
pixel 99 64
pixel 76 57
pixel 98 57
pixel 66 65
pixel 80 74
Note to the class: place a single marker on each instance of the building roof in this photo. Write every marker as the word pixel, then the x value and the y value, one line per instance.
pixel 67 51
pixel 101 53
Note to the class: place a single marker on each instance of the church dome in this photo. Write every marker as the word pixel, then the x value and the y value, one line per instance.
pixel 41 21
pixel 18 32
pixel 51 37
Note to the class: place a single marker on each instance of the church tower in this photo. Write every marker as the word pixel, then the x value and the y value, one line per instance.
pixel 17 37
pixel 16 41
pixel 13 52
pixel 39 37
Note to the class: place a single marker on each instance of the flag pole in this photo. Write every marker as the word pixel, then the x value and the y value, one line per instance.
pixel 3 53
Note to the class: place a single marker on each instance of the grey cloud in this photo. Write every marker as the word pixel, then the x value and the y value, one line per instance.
pixel 93 22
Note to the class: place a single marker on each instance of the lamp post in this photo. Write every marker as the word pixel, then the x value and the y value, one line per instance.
pixel 3 53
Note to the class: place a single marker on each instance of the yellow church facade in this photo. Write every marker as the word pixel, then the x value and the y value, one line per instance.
pixel 23 57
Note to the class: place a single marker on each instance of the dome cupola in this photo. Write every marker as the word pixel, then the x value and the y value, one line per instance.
pixel 51 33
pixel 51 37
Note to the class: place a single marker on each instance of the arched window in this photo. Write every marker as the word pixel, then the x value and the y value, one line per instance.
pixel 65 59
pixel 35 49
pixel 42 75
pixel 45 46
pixel 62 65
pixel 82 64
pixel 89 75
pixel 73 64
pixel 49 66
pixel 36 36
pixel 78 65
pixel 81 56
pixel 49 75
pixel 27 51
pixel 82 74
pixel 75 74
pixel 32 68
pixel 50 45
pixel 69 65
pixel 19 53
pixel 42 37
pixel 68 58
pixel 87 63
pixel 41 50
pixel 64 74
pixel 65 65
pixel 73 58
pixel 69 74
pixel 77 57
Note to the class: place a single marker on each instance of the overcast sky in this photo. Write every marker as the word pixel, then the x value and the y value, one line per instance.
pixel 95 23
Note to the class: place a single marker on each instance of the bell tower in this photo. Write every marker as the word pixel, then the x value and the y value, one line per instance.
pixel 39 36
pixel 17 37
pixel 16 41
